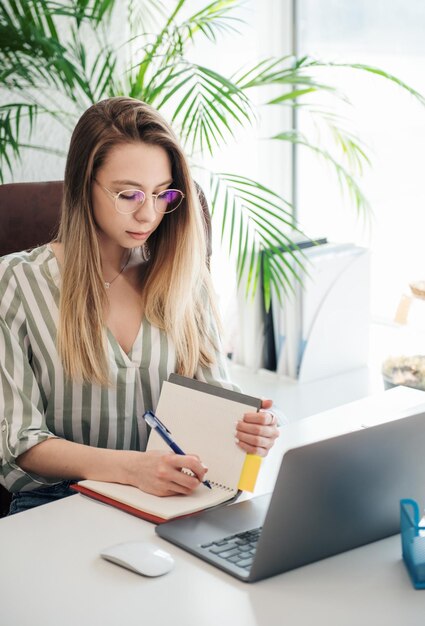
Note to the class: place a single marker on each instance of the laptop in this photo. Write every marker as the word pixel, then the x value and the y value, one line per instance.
pixel 330 496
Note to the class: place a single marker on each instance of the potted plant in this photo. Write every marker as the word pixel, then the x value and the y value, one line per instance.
pixel 49 69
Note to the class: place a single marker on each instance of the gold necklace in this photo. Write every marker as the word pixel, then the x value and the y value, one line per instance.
pixel 108 283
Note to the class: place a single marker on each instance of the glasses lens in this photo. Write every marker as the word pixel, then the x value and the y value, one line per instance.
pixel 168 200
pixel 129 200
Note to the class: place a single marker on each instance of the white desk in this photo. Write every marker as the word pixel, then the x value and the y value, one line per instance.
pixel 51 573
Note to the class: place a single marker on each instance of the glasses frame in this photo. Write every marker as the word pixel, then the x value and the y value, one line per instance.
pixel 115 197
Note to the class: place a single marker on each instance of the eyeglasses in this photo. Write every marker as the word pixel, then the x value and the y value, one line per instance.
pixel 130 200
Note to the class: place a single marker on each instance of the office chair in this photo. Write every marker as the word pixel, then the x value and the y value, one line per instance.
pixel 29 217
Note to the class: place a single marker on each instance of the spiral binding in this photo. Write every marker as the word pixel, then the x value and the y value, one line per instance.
pixel 220 485
pixel 212 482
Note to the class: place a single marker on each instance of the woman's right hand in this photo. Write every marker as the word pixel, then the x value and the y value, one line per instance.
pixel 160 473
pixel 156 472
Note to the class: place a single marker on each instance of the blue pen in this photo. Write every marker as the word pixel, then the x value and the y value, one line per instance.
pixel 155 423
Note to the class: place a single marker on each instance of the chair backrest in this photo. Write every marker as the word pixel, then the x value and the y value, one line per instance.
pixel 30 213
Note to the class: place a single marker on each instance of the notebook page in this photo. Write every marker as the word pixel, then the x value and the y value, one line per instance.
pixel 205 425
pixel 167 507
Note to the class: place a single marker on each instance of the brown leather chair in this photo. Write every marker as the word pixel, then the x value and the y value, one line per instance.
pixel 29 214
pixel 29 217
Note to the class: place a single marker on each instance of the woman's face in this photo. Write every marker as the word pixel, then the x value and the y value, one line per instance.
pixel 130 166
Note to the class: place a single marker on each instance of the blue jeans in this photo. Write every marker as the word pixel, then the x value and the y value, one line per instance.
pixel 24 500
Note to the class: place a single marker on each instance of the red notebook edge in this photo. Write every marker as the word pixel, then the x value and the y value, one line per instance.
pixel 118 505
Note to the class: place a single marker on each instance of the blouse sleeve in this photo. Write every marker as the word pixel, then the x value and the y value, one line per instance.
pixel 22 418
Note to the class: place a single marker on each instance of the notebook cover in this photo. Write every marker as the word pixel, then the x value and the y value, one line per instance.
pixel 138 512
pixel 119 505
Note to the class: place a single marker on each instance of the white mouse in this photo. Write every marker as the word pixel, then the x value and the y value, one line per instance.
pixel 141 557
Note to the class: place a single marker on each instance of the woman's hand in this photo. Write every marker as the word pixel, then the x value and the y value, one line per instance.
pixel 160 473
pixel 256 432
pixel 156 472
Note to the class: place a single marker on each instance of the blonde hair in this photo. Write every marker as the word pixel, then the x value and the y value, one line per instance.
pixel 176 288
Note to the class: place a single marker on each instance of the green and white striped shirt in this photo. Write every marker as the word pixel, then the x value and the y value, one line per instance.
pixel 37 401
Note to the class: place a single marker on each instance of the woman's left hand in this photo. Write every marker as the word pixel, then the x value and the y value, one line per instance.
pixel 256 432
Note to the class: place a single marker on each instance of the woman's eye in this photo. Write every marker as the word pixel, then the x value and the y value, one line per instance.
pixel 168 195
pixel 132 195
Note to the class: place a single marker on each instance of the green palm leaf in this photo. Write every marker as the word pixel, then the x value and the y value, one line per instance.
pixel 211 20
pixel 345 178
pixel 256 221
pixel 37 63
pixel 95 77
pixel 370 69
pixel 207 105
pixel 170 44
pixel 10 122
pixel 287 71
pixel 30 48
pixel 92 11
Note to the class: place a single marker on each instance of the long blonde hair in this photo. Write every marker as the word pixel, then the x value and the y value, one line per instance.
pixel 176 288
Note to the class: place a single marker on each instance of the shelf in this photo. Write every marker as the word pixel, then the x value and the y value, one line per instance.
pixel 296 400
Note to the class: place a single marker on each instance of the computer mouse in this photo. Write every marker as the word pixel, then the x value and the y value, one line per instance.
pixel 141 557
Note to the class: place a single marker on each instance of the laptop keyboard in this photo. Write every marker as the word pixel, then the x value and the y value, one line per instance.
pixel 238 549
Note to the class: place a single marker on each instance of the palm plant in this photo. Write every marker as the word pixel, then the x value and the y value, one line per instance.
pixel 44 72
pixel 47 72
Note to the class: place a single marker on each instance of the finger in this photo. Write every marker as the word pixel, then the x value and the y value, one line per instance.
pixel 249 449
pixel 266 403
pixel 181 490
pixel 173 481
pixel 170 471
pixel 271 432
pixel 255 441
pixel 266 418
pixel 192 464
pixel 173 490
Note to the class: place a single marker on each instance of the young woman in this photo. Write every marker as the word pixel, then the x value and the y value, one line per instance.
pixel 93 323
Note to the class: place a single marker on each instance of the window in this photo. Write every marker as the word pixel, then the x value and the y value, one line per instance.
pixel 388 35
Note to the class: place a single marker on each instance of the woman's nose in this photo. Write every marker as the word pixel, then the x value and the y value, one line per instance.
pixel 146 211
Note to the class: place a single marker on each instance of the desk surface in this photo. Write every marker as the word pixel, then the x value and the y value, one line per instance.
pixel 51 572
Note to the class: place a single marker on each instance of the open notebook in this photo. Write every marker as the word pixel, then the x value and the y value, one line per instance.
pixel 202 420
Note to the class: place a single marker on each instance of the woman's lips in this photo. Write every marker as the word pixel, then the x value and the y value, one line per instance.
pixel 139 236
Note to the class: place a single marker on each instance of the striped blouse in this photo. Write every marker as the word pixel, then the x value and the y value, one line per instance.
pixel 37 401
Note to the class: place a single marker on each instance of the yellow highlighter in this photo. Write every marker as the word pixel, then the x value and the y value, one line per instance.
pixel 249 472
